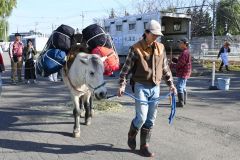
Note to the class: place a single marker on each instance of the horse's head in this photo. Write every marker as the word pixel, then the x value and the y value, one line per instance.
pixel 93 69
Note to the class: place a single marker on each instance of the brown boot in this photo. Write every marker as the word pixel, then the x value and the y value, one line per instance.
pixel 144 141
pixel 185 97
pixel 133 131
pixel 227 68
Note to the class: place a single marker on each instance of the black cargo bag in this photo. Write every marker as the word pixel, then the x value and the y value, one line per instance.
pixel 65 29
pixel 61 38
pixel 94 35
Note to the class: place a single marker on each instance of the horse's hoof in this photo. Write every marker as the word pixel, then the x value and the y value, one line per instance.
pixel 88 121
pixel 92 113
pixel 76 134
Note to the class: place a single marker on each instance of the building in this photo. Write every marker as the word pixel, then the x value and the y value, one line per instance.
pixel 127 30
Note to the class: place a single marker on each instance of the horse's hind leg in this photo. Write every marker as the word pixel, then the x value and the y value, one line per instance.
pixel 76 113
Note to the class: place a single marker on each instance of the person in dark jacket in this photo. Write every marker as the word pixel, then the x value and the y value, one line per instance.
pixel 183 66
pixel 223 53
pixel 147 61
pixel 29 53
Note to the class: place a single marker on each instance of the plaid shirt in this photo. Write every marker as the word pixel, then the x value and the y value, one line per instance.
pixel 184 65
pixel 128 66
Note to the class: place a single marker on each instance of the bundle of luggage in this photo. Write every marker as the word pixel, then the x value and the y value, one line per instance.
pixel 54 55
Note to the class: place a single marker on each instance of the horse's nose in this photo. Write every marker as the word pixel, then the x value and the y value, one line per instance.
pixel 101 95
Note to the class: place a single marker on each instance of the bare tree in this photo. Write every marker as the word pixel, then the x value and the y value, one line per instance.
pixel 145 6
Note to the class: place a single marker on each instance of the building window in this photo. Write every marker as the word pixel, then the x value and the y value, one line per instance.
pixel 119 27
pixel 107 29
pixel 163 28
pixel 177 26
pixel 132 26
pixel 145 25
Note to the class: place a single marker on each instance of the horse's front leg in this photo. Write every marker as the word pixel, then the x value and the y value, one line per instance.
pixel 82 108
pixel 88 109
pixel 76 114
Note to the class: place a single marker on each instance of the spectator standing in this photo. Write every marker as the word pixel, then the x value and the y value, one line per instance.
pixel 16 56
pixel 223 53
pixel 29 56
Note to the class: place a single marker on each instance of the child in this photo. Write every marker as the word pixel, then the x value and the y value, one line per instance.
pixel 2 68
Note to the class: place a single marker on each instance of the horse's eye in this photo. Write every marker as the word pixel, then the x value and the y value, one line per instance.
pixel 91 73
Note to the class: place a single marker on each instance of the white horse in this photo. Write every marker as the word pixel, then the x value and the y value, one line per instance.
pixel 85 76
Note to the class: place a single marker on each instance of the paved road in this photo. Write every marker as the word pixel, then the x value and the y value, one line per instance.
pixel 36 124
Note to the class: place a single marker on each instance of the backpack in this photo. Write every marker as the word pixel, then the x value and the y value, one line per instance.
pixel 111 64
pixel 94 35
pixel 50 62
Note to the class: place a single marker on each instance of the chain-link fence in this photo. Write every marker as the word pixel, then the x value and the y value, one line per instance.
pixel 202 48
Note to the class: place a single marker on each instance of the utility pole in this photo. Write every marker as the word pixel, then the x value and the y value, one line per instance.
pixel 36 23
pixel 213 24
pixel 82 15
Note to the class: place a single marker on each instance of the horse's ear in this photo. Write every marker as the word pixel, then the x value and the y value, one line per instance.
pixel 84 60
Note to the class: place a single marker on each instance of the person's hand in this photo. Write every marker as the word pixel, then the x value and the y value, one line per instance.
pixel 120 91
pixel 173 89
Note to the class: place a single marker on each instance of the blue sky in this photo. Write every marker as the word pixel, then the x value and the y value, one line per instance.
pixel 45 15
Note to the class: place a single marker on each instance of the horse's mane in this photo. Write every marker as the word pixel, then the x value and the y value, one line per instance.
pixel 74 50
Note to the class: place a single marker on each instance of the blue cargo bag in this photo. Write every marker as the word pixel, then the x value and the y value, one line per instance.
pixel 50 62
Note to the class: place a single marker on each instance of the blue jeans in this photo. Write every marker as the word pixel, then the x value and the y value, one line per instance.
pixel 145 113
pixel 181 85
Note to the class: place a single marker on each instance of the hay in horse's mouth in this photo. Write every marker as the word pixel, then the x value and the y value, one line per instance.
pixel 106 105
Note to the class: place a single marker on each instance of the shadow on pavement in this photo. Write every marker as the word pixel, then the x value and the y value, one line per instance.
pixel 28 146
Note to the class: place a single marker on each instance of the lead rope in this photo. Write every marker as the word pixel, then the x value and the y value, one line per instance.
pixel 173 106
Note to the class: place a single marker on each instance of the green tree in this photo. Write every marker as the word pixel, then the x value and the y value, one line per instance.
pixel 201 22
pixel 6 7
pixel 228 17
